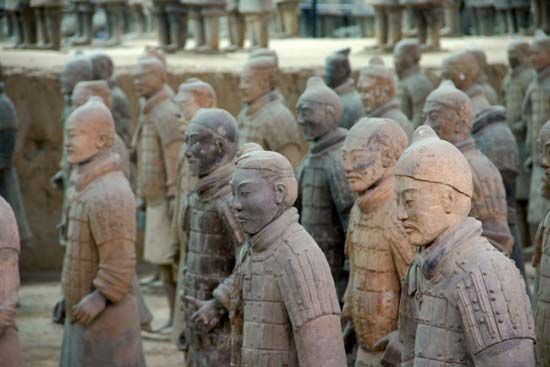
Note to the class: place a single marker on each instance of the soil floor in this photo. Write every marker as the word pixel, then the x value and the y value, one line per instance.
pixel 41 339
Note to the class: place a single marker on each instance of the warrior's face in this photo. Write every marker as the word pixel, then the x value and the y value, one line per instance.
pixel 314 119
pixel 253 85
pixel 442 120
pixel 543 142
pixel 146 81
pixel 256 199
pixel 82 142
pixel 421 210
pixel 373 91
pixel 539 56
pixel 203 150
pixel 363 163
pixel 188 104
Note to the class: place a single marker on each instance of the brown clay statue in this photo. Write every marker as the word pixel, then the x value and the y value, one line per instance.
pixel 284 304
pixel 370 152
pixel 462 302
pixel 9 274
pixel 9 182
pixel 206 23
pixel 482 79
pixel 429 16
pixel 338 77
pixel 171 17
pixel 287 11
pixel 324 196
pixel 159 146
pixel 256 13
pixel 377 88
pixel 449 112
pixel 265 119
pixel 462 69
pixel 193 95
pixel 387 22
pixel 412 87
pixel 541 257
pixel 48 14
pixel 214 240
pixel 103 68
pixel 515 87
pixel 236 26
pixel 102 325
pixel 536 111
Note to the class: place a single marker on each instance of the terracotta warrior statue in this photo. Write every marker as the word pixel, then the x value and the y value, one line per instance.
pixel 114 20
pixel 171 17
pixel 541 15
pixel 48 14
pixel 324 196
pixel 462 69
pixel 412 87
pixel 284 306
pixel 536 111
pixel 482 79
pixel 102 327
pixel 103 68
pixel 206 16
pixel 376 244
pixel 541 257
pixel 84 11
pixel 462 302
pixel 236 26
pixel 515 86
pixel 287 11
pixel 160 140
pixel 429 17
pixel 265 119
pixel 482 16
pixel 9 182
pixel 338 77
pixel 24 23
pixel 215 237
pixel 513 16
pixel 193 95
pixel 387 22
pixel 9 273
pixel 377 88
pixel 257 13
pixel 449 112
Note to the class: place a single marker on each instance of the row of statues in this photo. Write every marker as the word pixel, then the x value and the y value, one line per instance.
pixel 386 210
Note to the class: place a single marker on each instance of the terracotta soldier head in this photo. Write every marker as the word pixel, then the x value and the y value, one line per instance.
pixel 433 187
pixel 155 52
pixel 75 70
pixel 406 55
pixel 462 68
pixel 211 140
pixel 258 78
pixel 83 91
pixel 149 76
pixel 319 109
pixel 449 112
pixel 376 85
pixel 518 53
pixel 481 59
pixel 264 187
pixel 102 65
pixel 337 68
pixel 265 52
pixel 194 94
pixel 90 131
pixel 371 149
pixel 539 52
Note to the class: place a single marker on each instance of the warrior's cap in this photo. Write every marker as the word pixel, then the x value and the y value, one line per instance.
pixel 450 96
pixel 317 91
pixel 431 159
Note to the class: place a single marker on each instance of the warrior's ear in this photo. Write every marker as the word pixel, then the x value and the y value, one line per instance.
pixel 448 199
pixel 280 192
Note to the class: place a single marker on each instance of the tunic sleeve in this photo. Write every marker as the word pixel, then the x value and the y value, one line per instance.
pixel 9 262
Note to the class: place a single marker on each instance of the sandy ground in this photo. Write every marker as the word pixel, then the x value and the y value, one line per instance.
pixel 41 339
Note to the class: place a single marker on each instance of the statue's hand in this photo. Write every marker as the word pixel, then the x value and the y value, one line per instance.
pixel 56 181
pixel 208 314
pixel 392 349
pixel 89 308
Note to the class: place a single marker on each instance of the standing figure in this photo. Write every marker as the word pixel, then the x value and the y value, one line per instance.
pixel 265 119
pixel 536 111
pixel 284 304
pixel 215 238
pixel 9 273
pixel 103 68
pixel 287 12
pixel 48 14
pixel 141 15
pixel 513 15
pixel 541 15
pixel 9 182
pixel 376 244
pixel 413 87
pixel 377 89
pixel 84 10
pixel 338 77
pixel 193 95
pixel 206 16
pixel 236 26
pixel 324 196
pixel 22 16
pixel 515 87
pixel 387 22
pixel 160 143
pixel 462 302
pixel 482 15
pixel 449 112
pixel 482 79
pixel 114 19
pixel 452 18
pixel 429 17
pixel 102 325
pixel 257 14
pixel 541 259
pixel 172 18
